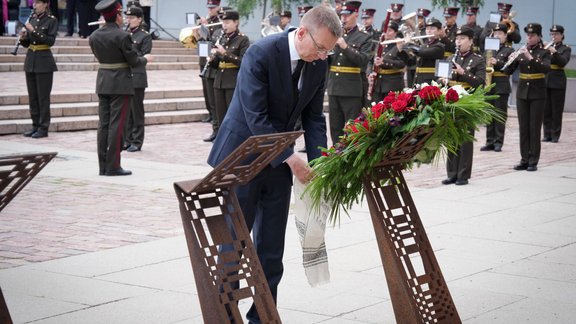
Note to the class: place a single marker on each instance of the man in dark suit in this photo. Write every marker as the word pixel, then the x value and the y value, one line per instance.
pixel 113 48
pixel 282 77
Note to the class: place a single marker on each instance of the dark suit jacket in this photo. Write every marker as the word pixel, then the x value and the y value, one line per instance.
pixel 112 45
pixel 44 33
pixel 263 102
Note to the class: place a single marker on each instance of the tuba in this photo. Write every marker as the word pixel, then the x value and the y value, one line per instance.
pixel 271 25
pixel 189 36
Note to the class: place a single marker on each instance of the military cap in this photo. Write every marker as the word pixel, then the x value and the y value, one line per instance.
pixel 108 9
pixel 451 11
pixel 471 11
pixel 557 29
pixel 501 27
pixel 396 7
pixel 134 11
pixel 230 15
pixel 393 25
pixel 223 10
pixel 286 13
pixel 433 22
pixel 212 3
pixel 349 7
pixel 303 10
pixel 504 7
pixel 131 3
pixel 534 28
pixel 465 30
pixel 368 13
pixel 422 12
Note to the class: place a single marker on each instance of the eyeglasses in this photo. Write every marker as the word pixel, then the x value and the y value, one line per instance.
pixel 318 48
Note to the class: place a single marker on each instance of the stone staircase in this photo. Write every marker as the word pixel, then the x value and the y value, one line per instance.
pixel 77 109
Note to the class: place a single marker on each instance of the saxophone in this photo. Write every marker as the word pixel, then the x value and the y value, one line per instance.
pixel 489 67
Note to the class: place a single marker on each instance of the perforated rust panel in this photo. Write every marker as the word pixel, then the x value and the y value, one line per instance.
pixel 212 217
pixel 16 171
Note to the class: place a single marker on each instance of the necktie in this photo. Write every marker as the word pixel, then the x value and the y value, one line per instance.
pixel 296 78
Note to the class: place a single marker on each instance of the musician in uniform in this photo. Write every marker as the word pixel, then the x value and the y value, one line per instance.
pixel 421 15
pixel 227 57
pixel 396 15
pixel 285 19
pixel 448 35
pixel 471 14
pixel 496 129
pixel 368 23
pixel 113 49
pixel 469 71
pixel 142 44
pixel 302 10
pixel 390 65
pixel 209 73
pixel 428 53
pixel 555 85
pixel 38 35
pixel 513 32
pixel 346 93
pixel 533 61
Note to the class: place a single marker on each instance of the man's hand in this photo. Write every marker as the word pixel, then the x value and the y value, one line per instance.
pixel 342 43
pixel 300 169
pixel 149 58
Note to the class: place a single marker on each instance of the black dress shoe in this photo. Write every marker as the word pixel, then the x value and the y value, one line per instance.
pixel 461 182
pixel 547 139
pixel 521 167
pixel 448 181
pixel 497 148
pixel 29 133
pixel 119 172
pixel 125 146
pixel 207 119
pixel 303 150
pixel 133 148
pixel 211 137
pixel 487 147
pixel 554 140
pixel 39 134
pixel 102 172
pixel 531 168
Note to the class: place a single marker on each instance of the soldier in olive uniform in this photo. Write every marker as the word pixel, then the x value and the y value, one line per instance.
pixel 142 43
pixel 495 130
pixel 448 34
pixel 113 49
pixel 513 35
pixel 556 85
pixel 368 28
pixel 471 14
pixel 390 76
pixel 421 15
pixel 227 57
pixel 38 35
pixel 533 61
pixel 346 94
pixel 469 71
pixel 208 73
pixel 428 53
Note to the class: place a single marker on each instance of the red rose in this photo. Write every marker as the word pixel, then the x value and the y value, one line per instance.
pixel 377 109
pixel 452 95
pixel 389 99
pixel 430 94
pixel 366 125
pixel 399 106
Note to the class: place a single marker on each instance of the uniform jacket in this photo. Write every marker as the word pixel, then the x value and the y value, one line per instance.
pixel 142 43
pixel 392 60
pixel 214 34
pixel 44 33
pixel 263 105
pixel 474 66
pixel 512 37
pixel 502 81
pixel 477 31
pixel 556 78
pixel 112 45
pixel 450 40
pixel 236 45
pixel 534 88
pixel 356 55
pixel 427 56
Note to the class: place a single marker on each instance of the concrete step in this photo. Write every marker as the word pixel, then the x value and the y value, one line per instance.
pixel 11 112
pixel 80 97
pixel 89 58
pixel 7 49
pixel 63 124
pixel 73 41
pixel 65 66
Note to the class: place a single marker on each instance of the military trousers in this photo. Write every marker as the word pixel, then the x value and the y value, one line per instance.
pixel 555 99
pixel 222 98
pixel 39 87
pixel 112 113
pixel 530 115
pixel 209 100
pixel 496 129
pixel 134 131
pixel 341 109
pixel 459 164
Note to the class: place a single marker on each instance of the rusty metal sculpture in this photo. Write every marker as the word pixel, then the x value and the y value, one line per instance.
pixel 16 171
pixel 417 287
pixel 212 217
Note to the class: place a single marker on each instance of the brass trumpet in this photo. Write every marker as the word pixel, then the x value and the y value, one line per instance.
pixel 188 35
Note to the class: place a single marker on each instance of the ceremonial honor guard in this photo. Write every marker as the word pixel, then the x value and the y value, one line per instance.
pixel 469 71
pixel 391 65
pixel 142 44
pixel 471 14
pixel 227 57
pixel 555 85
pixel 448 35
pixel 346 93
pixel 496 129
pixel 429 52
pixel 208 73
pixel 38 35
pixel 533 61
pixel 113 49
